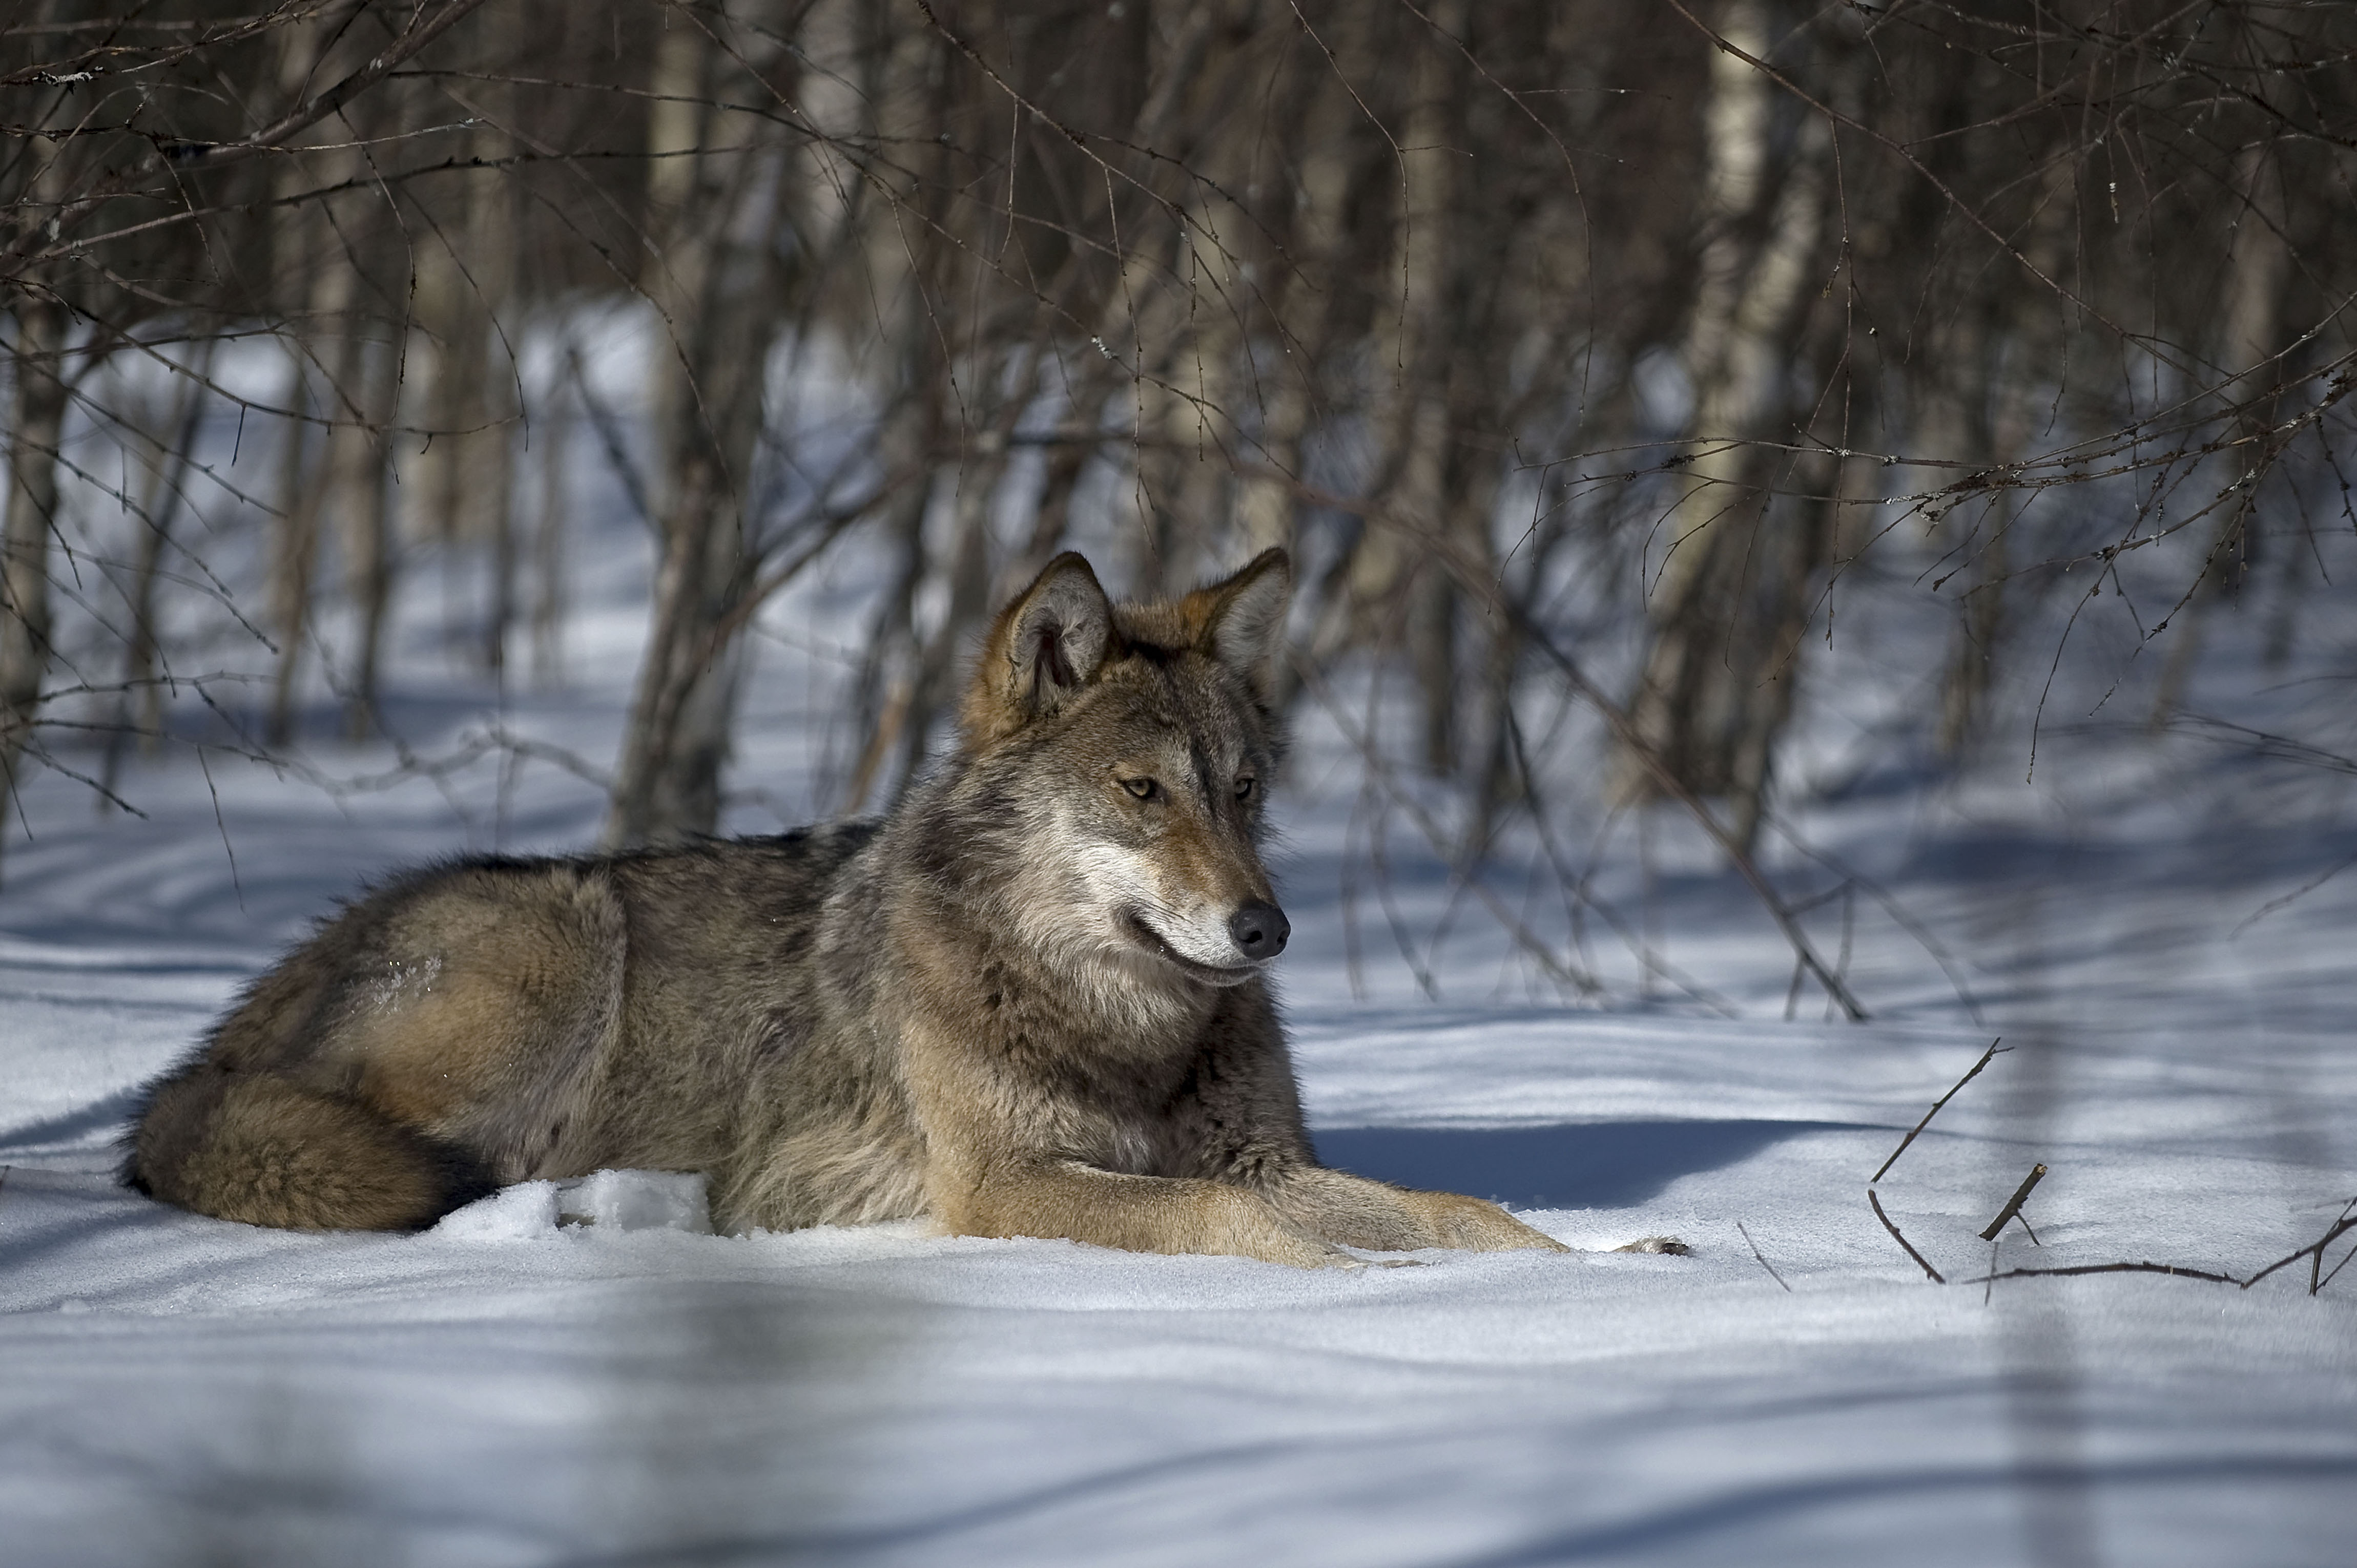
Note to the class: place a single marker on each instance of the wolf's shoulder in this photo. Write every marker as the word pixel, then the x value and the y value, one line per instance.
pixel 806 856
pixel 830 843
pixel 763 889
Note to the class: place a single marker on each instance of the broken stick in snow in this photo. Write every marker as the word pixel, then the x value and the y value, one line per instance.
pixel 1934 1112
pixel 1763 1262
pixel 1937 1278
pixel 2013 1204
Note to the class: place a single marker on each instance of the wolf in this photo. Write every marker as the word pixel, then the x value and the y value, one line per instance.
pixel 1032 1000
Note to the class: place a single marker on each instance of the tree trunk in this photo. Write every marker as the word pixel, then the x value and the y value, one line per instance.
pixel 716 287
pixel 35 431
pixel 548 545
pixel 2007 396
pixel 1702 691
pixel 160 508
pixel 361 475
pixel 2251 338
pixel 488 452
pixel 1301 325
pixel 1391 596
pixel 37 425
pixel 888 674
pixel 465 476
pixel 966 566
pixel 315 285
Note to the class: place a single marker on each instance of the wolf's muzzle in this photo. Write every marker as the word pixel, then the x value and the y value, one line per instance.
pixel 1259 930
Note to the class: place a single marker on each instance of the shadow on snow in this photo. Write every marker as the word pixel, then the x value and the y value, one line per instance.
pixel 1608 1164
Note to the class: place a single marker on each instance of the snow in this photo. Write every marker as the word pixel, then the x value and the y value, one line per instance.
pixel 520 1386
pixel 524 1212
pixel 511 1389
pixel 612 1201
pixel 638 1200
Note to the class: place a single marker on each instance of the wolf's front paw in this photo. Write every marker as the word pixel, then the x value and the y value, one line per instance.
pixel 1473 1226
pixel 1304 1252
pixel 1669 1244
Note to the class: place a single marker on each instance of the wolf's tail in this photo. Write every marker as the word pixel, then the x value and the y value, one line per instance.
pixel 261 1149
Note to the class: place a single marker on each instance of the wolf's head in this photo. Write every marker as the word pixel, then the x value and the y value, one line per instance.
pixel 1131 745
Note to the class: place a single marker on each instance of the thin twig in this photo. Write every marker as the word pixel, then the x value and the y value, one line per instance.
pixel 2013 1204
pixel 2171 1269
pixel 321 106
pixel 1934 1112
pixel 184 158
pixel 1937 1278
pixel 2344 1222
pixel 1763 1262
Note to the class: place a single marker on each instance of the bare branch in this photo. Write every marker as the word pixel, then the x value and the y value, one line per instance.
pixel 1909 1247
pixel 1971 1073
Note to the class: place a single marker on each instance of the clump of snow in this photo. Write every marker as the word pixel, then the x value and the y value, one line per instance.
pixel 607 1201
pixel 638 1200
pixel 524 1212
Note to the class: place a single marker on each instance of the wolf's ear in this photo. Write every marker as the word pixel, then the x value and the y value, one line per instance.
pixel 1244 619
pixel 1046 645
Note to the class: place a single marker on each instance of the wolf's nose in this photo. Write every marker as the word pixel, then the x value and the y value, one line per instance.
pixel 1260 930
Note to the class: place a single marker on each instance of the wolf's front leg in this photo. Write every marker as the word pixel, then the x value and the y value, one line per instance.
pixel 1079 1202
pixel 1357 1212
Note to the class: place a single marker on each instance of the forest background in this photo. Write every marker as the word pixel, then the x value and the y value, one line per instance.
pixel 1595 361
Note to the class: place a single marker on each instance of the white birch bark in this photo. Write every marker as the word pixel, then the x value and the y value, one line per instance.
pixel 1691 700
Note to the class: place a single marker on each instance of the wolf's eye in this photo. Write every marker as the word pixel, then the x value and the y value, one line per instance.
pixel 1245 786
pixel 1143 788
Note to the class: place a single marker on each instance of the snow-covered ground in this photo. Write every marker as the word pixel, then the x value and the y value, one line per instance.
pixel 174 1390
